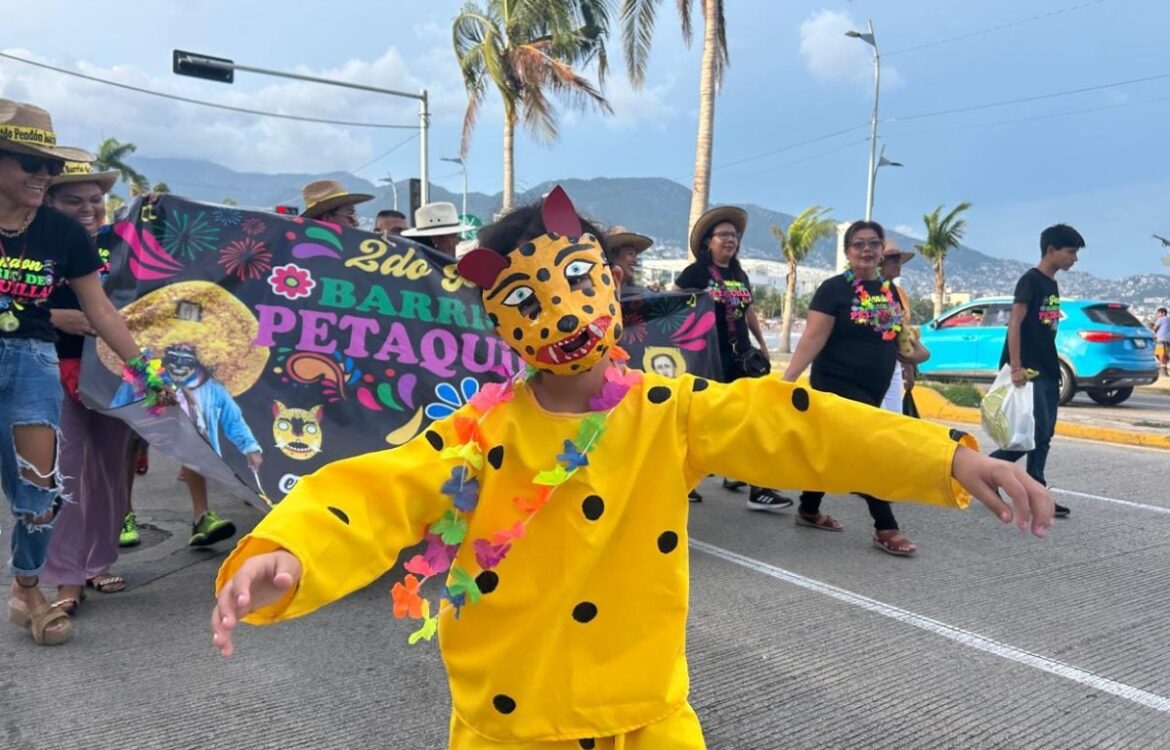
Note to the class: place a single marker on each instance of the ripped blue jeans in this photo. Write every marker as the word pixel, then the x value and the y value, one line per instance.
pixel 30 394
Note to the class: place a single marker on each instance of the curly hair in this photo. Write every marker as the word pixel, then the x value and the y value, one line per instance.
pixel 521 224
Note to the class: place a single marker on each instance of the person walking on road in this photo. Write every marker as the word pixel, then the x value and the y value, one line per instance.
pixel 1031 342
pixel 1161 328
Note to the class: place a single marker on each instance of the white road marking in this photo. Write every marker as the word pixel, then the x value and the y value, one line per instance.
pixel 950 632
pixel 1130 503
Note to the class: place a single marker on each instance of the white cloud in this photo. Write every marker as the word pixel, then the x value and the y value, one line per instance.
pixel 832 56
pixel 909 231
pixel 84 112
pixel 634 107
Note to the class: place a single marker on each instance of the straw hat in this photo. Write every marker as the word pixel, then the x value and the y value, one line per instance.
pixel 79 171
pixel 892 249
pixel 436 219
pixel 619 236
pixel 732 214
pixel 28 129
pixel 322 196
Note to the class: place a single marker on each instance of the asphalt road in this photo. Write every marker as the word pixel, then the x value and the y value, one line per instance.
pixel 797 638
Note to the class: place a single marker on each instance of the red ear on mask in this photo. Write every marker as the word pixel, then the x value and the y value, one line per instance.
pixel 559 215
pixel 482 267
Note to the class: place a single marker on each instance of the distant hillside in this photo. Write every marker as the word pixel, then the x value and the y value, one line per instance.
pixel 651 205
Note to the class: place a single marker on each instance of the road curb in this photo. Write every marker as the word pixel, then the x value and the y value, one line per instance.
pixel 933 405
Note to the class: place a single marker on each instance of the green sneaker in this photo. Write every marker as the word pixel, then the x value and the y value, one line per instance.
pixel 129 536
pixel 210 529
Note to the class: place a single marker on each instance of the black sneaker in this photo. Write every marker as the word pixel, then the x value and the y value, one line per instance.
pixel 733 485
pixel 694 496
pixel 1061 511
pixel 762 498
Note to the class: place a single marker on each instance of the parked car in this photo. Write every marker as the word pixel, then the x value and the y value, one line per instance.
pixel 1104 350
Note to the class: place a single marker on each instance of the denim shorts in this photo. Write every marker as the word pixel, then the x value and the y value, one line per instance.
pixel 30 394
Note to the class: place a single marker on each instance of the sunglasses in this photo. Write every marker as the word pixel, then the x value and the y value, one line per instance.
pixel 863 244
pixel 33 164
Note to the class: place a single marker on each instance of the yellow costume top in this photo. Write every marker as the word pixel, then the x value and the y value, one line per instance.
pixel 580 630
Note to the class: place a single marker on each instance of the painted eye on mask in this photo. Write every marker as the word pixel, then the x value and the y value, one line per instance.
pixel 518 296
pixel 578 272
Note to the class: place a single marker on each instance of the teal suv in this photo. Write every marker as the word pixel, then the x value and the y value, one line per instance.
pixel 1104 350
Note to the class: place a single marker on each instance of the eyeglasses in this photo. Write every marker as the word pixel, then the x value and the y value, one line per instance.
pixel 726 235
pixel 33 164
pixel 867 244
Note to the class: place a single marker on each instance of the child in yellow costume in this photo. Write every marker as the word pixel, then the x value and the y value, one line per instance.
pixel 555 509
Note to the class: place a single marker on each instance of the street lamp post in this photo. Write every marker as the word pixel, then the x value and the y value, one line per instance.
pixel 223 70
pixel 869 39
pixel 389 180
pixel 463 167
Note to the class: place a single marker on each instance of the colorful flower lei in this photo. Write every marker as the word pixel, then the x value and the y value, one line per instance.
pixel 445 536
pixel 149 379
pixel 889 325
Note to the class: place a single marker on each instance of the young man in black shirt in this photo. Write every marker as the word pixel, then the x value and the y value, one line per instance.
pixel 1031 341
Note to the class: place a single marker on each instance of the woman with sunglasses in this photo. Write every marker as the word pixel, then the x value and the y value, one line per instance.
pixel 39 249
pixel 850 340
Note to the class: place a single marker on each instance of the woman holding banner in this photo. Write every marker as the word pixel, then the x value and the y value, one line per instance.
pixel 39 249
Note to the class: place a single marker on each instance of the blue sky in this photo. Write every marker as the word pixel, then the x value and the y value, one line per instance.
pixel 1098 160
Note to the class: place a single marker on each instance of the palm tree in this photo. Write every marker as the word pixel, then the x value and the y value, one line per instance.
pixel 795 244
pixel 160 187
pixel 528 49
pixel 111 157
pixel 637 18
pixel 943 233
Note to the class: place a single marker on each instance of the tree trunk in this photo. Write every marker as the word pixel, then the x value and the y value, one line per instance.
pixel 701 187
pixel 789 304
pixel 940 283
pixel 509 155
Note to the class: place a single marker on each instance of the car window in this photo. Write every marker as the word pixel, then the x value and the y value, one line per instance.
pixel 997 316
pixel 1112 315
pixel 969 317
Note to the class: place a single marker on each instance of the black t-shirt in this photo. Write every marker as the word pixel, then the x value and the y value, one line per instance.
pixel 734 293
pixel 63 298
pixel 1038 331
pixel 856 353
pixel 54 248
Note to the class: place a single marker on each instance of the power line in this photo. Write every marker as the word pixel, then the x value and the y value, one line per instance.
pixel 992 29
pixel 201 103
pixel 789 147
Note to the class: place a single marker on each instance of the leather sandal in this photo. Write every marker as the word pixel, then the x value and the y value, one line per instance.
pixel 69 604
pixel 47 625
pixel 892 542
pixel 819 521
pixel 106 583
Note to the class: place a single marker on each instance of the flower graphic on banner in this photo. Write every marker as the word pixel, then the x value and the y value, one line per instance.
pixel 253 225
pixel 228 217
pixel 188 234
pixel 451 399
pixel 291 281
pixel 246 259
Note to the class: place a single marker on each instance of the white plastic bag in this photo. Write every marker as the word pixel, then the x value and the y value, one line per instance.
pixel 1007 413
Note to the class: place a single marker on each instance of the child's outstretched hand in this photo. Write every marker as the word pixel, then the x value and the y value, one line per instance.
pixel 984 477
pixel 260 581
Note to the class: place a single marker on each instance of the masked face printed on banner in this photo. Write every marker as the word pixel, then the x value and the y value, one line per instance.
pixel 553 299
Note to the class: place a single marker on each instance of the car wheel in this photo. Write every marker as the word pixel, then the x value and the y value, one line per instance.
pixel 1109 396
pixel 1068 384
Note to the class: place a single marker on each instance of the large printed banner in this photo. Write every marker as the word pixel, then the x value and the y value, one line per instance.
pixel 296 343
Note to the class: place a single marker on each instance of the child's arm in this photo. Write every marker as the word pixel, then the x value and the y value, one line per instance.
pixel 231 419
pixel 776 434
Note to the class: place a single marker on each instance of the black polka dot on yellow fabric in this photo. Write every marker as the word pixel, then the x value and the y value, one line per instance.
pixel 800 399
pixel 487 581
pixel 587 744
pixel 543 275
pixel 517 334
pixel 574 368
pixel 612 310
pixel 617 330
pixel 339 513
pixel 658 394
pixel 553 236
pixel 495 457
pixel 584 612
pixel 556 300
pixel 699 385
pixel 587 309
pixel 958 436
pixel 593 506
pixel 589 291
pixel 527 249
pixel 504 704
pixel 544 333
pixel 530 350
pixel 667 541
pixel 605 279
pixel 435 439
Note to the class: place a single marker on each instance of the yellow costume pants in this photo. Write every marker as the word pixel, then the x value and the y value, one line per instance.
pixel 679 731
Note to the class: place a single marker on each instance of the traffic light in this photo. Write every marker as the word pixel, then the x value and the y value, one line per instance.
pixel 203 66
pixel 287 210
pixel 415 196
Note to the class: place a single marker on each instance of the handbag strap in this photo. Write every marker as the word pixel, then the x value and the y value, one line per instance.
pixel 728 315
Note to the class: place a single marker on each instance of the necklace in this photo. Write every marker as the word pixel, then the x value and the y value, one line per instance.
pixel 882 314
pixel 28 220
pixel 446 536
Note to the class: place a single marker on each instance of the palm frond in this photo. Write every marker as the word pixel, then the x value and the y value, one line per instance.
pixel 637 19
pixel 684 15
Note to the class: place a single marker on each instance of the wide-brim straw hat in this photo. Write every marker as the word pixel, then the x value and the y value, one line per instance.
pixel 892 249
pixel 619 236
pixel 436 219
pixel 78 172
pixel 28 129
pixel 734 215
pixel 322 196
